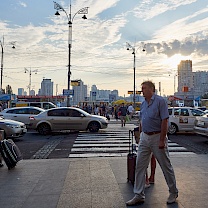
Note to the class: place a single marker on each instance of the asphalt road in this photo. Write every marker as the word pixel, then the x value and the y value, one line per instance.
pixel 58 145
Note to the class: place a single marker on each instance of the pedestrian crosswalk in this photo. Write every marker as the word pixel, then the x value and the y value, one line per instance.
pixel 113 143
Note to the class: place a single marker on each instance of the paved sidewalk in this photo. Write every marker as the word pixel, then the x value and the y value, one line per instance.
pixel 98 183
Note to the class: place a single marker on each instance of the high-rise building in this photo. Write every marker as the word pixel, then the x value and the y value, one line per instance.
pixel 32 92
pixel 20 91
pixel 185 76
pixel 46 87
pixel 80 93
pixel 200 79
pixel 191 85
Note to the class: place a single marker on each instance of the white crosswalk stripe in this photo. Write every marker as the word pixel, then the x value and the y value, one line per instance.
pixel 113 143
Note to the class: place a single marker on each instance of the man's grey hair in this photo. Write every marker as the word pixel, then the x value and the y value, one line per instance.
pixel 149 84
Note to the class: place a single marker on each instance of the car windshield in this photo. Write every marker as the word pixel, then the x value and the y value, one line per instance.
pixel 196 112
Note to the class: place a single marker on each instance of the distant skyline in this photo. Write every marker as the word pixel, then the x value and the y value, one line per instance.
pixel 171 30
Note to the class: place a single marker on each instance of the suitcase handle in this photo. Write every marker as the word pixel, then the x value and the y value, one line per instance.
pixel 131 136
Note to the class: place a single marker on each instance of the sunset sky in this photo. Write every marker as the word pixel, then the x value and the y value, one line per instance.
pixel 171 30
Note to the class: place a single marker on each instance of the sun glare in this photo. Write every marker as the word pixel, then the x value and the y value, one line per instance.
pixel 174 60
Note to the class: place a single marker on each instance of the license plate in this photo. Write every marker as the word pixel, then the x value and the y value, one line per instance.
pixel 201 123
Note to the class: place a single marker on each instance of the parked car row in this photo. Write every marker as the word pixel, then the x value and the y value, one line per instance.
pixel 70 118
pixel 55 119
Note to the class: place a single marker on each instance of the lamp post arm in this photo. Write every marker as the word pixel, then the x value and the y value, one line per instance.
pixel 84 10
pixel 58 7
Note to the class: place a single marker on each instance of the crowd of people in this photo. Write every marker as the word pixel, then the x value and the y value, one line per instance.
pixel 121 111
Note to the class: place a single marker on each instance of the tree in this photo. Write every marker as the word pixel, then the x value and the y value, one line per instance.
pixel 9 89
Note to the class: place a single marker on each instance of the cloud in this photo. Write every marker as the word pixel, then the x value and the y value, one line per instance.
pixel 22 4
pixel 147 9
pixel 98 53
pixel 191 25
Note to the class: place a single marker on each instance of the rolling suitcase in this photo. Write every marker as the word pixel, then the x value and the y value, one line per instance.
pixel 131 159
pixel 10 153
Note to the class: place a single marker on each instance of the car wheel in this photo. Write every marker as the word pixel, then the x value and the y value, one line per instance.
pixel 44 129
pixel 172 129
pixel 94 127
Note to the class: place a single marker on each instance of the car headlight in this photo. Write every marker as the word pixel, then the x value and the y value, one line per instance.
pixel 103 121
pixel 13 125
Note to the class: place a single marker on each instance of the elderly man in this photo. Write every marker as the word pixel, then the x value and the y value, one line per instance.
pixel 153 139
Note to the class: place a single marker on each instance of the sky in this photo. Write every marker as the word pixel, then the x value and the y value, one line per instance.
pixel 169 30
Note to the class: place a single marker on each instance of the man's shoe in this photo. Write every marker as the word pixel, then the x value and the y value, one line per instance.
pixel 147 185
pixel 135 200
pixel 172 198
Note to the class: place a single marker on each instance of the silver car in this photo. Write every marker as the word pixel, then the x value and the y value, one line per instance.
pixel 12 128
pixel 21 114
pixel 201 125
pixel 67 118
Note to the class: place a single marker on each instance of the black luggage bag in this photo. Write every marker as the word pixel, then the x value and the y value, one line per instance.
pixel 10 153
pixel 131 159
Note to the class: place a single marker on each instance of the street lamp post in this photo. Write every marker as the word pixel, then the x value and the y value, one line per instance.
pixel 2 60
pixel 129 46
pixel 83 11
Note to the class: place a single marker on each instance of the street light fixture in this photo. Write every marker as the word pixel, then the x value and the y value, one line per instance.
pixel 130 47
pixel 2 60
pixel 70 18
pixel 30 77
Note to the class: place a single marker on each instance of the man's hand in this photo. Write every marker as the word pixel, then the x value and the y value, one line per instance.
pixel 162 144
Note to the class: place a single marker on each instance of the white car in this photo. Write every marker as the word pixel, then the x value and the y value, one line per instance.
pixel 11 128
pixel 182 119
pixel 201 125
pixel 21 114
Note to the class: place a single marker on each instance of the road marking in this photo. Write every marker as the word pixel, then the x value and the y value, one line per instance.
pixel 113 143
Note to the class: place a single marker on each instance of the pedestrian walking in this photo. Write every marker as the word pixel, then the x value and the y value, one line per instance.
pixel 116 109
pixel 130 110
pixel 153 139
pixel 123 112
pixel 96 110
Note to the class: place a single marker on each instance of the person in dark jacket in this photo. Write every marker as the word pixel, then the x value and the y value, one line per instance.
pixel 123 112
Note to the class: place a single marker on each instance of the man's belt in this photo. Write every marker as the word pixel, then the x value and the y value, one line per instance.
pixel 153 132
